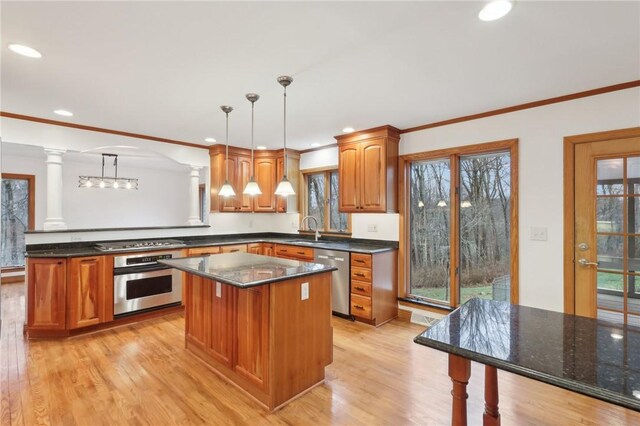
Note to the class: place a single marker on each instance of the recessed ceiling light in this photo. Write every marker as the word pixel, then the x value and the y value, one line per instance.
pixel 315 144
pixel 495 10
pixel 617 336
pixel 23 50
pixel 210 140
pixel 348 130
pixel 261 147
pixel 63 112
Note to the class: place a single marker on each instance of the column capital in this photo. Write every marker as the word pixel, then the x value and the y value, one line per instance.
pixel 54 155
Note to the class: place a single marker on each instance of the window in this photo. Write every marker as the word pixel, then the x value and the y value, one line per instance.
pixel 461 212
pixel 17 193
pixel 202 202
pixel 321 201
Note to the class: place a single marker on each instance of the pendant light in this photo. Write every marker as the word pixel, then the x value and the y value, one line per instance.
pixel 226 190
pixel 252 187
pixel 284 187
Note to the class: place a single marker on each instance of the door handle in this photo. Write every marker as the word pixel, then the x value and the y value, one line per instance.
pixel 585 262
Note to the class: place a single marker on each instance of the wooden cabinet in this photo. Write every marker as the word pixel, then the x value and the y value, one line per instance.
pixel 233 248
pixel 268 249
pixel 368 171
pixel 265 175
pixel 197 296
pixel 294 252
pixel 89 291
pixel 374 287
pixel 203 251
pixel 220 335
pixel 255 248
pixel 46 293
pixel 253 334
pixel 268 168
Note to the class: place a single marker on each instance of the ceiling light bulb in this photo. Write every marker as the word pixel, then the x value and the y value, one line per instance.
pixel 348 130
pixel 442 203
pixel 88 184
pixel 285 188
pixel 128 185
pixel 116 185
pixel 210 140
pixel 261 147
pixel 102 185
pixel 252 188
pixel 63 112
pixel 465 204
pixel 23 50
pixel 495 10
pixel 616 336
pixel 227 190
pixel 420 204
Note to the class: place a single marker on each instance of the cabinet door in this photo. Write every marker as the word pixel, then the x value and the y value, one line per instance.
pixel 245 202
pixel 349 178
pixel 267 249
pixel 253 334
pixel 221 318
pixel 197 308
pixel 231 204
pixel 373 176
pixel 86 292
pixel 254 248
pixel 46 288
pixel 265 169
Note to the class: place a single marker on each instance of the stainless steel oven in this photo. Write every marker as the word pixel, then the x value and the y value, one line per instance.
pixel 141 283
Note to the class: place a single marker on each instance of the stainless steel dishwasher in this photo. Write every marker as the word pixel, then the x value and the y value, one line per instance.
pixel 340 291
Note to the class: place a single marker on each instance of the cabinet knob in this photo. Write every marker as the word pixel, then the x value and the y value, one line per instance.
pixel 359 288
pixel 358 274
pixel 358 306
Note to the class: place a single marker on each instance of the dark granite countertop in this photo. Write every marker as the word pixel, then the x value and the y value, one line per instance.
pixel 86 248
pixel 581 354
pixel 143 228
pixel 245 269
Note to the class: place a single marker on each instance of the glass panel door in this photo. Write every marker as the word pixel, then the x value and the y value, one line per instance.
pixel 15 195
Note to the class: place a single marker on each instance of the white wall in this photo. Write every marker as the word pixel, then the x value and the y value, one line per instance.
pixel 541 132
pixel 30 166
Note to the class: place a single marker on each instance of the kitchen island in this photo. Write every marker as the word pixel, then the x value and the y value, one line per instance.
pixel 262 323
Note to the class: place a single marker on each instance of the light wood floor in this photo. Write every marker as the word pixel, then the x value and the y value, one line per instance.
pixel 140 374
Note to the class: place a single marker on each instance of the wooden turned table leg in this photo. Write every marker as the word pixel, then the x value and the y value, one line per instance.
pixel 491 416
pixel 459 371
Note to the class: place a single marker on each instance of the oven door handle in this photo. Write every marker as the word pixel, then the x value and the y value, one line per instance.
pixel 139 269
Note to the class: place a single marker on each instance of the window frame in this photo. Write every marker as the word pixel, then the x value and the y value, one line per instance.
pixel 454 154
pixel 31 184
pixel 327 211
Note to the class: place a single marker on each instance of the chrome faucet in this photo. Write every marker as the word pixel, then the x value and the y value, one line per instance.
pixel 309 226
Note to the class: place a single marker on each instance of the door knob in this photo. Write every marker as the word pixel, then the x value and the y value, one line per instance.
pixel 585 262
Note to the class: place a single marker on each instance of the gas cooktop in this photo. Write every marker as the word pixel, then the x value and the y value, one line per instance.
pixel 139 245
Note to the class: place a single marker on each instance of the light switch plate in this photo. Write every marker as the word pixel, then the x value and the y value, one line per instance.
pixel 538 233
pixel 304 291
pixel 372 228
pixel 218 290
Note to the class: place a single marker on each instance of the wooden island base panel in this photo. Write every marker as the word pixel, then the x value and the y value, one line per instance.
pixel 264 339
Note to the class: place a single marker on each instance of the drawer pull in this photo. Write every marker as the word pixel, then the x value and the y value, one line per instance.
pixel 358 274
pixel 359 288
pixel 358 306
pixel 300 252
pixel 235 250
pixel 359 260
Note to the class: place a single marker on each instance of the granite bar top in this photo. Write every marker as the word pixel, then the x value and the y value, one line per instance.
pixel 86 248
pixel 246 270
pixel 143 228
pixel 584 355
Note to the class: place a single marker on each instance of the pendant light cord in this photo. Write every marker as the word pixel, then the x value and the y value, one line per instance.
pixel 285 131
pixel 226 157
pixel 252 107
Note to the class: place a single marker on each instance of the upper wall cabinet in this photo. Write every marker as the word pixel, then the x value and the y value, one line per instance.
pixel 368 171
pixel 267 170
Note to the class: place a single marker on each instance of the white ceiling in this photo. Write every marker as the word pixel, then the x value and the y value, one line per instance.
pixel 164 68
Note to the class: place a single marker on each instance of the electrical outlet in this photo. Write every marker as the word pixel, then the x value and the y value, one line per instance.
pixel 304 291
pixel 372 228
pixel 538 233
pixel 74 239
pixel 218 290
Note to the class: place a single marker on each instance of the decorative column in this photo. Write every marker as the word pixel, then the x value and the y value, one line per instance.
pixel 54 219
pixel 194 196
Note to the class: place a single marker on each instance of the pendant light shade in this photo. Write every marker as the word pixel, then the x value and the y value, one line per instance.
pixel 252 187
pixel 284 187
pixel 226 190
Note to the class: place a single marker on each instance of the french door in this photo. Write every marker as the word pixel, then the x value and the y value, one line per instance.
pixel 606 246
pixel 17 193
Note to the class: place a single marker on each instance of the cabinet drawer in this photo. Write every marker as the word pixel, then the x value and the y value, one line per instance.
pixel 360 274
pixel 234 248
pixel 361 306
pixel 360 287
pixel 293 252
pixel 361 260
pixel 203 251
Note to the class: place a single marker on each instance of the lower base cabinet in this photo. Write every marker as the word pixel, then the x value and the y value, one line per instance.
pixel 374 287
pixel 265 339
pixel 46 293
